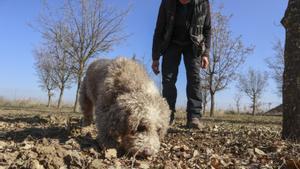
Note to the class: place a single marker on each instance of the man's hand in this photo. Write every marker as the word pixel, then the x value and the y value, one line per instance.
pixel 155 67
pixel 204 62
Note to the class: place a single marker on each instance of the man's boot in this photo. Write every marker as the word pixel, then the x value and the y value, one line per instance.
pixel 172 118
pixel 195 123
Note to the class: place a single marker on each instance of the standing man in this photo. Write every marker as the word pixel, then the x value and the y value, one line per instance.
pixel 183 28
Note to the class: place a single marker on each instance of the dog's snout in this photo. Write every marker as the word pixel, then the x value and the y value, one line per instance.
pixel 147 152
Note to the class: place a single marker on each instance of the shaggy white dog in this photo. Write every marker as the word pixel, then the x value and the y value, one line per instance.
pixel 128 107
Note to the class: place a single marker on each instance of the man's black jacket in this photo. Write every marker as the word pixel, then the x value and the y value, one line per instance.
pixel 200 27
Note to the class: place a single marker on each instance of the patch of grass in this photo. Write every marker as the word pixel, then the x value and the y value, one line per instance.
pixel 31 105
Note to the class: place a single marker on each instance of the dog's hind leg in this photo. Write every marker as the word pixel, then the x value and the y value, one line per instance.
pixel 86 106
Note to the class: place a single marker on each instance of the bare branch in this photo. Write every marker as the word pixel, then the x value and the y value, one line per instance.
pixel 276 65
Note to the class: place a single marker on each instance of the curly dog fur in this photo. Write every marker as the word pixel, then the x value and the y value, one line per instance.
pixel 128 107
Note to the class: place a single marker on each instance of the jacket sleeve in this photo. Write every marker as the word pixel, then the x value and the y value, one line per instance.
pixel 159 32
pixel 207 30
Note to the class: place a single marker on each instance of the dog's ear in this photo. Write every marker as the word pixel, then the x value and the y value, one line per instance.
pixel 118 118
pixel 130 111
pixel 132 123
pixel 127 122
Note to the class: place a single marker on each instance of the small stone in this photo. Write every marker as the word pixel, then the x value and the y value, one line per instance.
pixel 111 153
pixel 184 148
pixel 93 152
pixel 117 164
pixel 215 162
pixel 250 151
pixel 73 143
pixel 142 164
pixel 63 167
pixel 60 152
pixel 2 145
pixel 175 158
pixel 209 151
pixel 111 167
pixel 3 158
pixel 32 155
pixel 45 141
pixel 259 152
pixel 35 164
pixel 26 146
pixel 164 145
pixel 96 164
pixel 45 150
pixel 176 148
pixel 186 155
pixel 73 158
pixel 168 165
pixel 68 147
pixel 179 154
pixel 196 153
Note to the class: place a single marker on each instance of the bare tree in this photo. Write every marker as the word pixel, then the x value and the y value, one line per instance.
pixel 63 74
pixel 237 100
pixel 44 68
pixel 90 28
pixel 276 65
pixel 291 81
pixel 253 84
pixel 227 54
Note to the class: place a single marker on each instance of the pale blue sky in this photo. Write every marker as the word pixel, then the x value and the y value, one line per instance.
pixel 257 21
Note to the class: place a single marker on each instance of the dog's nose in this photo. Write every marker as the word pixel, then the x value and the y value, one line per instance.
pixel 147 152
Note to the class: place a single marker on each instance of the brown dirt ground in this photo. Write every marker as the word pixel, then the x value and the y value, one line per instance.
pixel 38 140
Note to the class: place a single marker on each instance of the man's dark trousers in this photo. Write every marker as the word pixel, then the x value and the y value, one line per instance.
pixel 170 64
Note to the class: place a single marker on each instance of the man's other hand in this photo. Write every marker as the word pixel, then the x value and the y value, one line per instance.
pixel 204 62
pixel 155 67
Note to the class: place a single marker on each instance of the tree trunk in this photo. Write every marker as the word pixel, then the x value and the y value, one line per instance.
pixel 204 106
pixel 291 78
pixel 238 109
pixel 253 105
pixel 204 99
pixel 60 97
pixel 49 98
pixel 75 108
pixel 212 104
